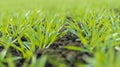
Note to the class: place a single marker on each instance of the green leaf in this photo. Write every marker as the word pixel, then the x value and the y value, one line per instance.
pixel 75 48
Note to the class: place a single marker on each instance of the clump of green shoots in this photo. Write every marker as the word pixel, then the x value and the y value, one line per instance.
pixel 26 31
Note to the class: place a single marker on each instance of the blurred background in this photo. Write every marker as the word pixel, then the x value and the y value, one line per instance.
pixel 58 5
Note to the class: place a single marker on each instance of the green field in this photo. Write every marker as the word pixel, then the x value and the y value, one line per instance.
pixel 59 33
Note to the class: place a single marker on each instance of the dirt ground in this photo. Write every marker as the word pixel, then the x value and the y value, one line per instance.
pixel 56 54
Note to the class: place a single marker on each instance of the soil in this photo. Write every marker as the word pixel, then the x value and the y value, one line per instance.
pixel 69 57
pixel 64 56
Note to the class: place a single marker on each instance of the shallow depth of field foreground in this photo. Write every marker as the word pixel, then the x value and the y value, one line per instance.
pixel 59 33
